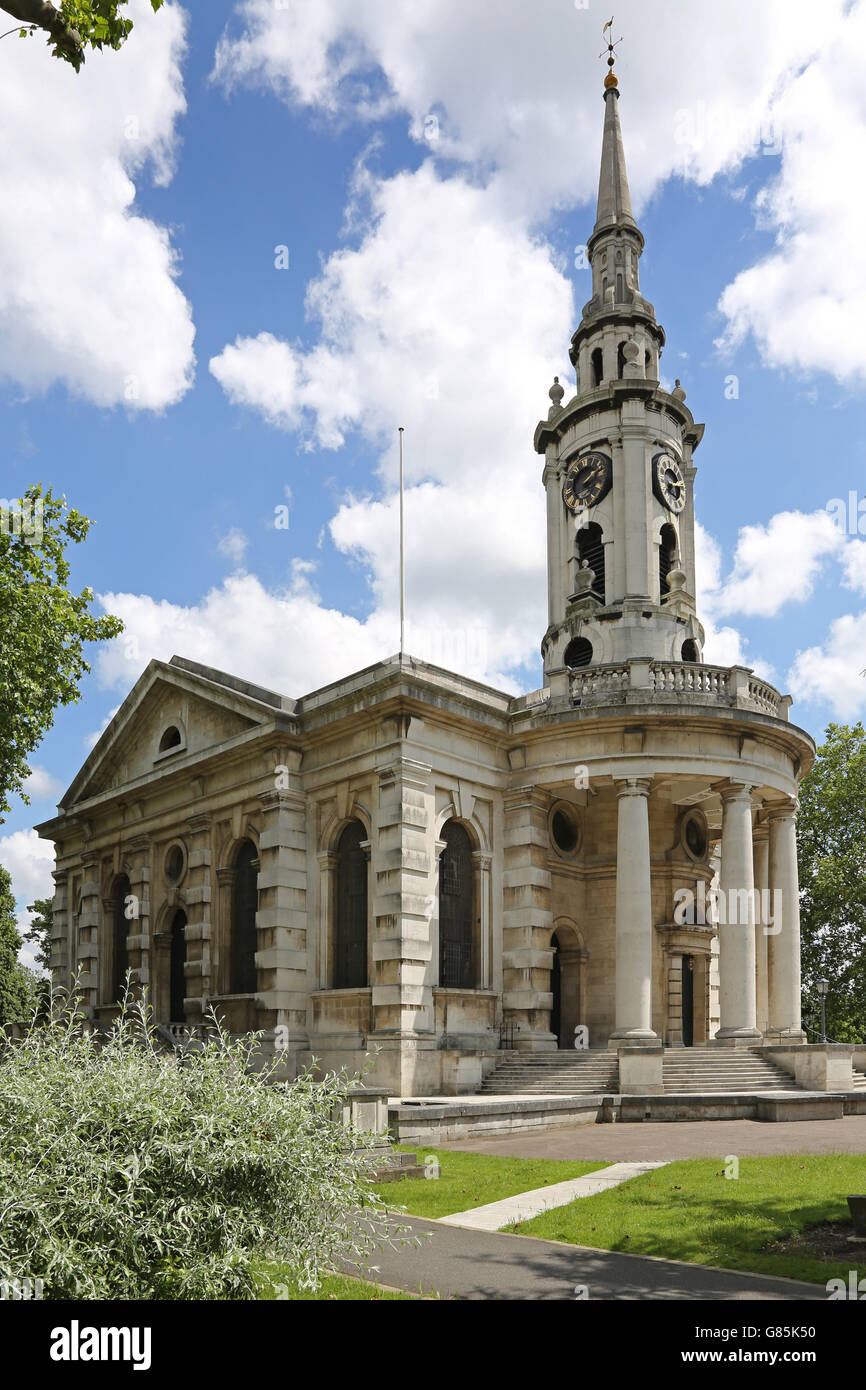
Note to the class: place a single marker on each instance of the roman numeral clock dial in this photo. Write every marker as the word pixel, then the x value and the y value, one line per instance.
pixel 587 480
pixel 669 485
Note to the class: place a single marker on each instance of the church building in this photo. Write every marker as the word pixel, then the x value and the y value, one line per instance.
pixel 409 863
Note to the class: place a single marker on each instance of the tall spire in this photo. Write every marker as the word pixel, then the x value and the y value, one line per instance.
pixel 614 201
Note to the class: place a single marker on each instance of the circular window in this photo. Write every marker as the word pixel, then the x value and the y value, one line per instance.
pixel 695 836
pixel 563 829
pixel 174 863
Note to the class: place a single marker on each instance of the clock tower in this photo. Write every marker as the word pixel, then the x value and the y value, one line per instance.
pixel 618 467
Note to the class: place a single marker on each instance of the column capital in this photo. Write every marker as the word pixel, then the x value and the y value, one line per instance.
pixel 730 790
pixel 782 810
pixel 197 823
pixel 633 786
pixel 328 858
pixel 281 798
pixel 483 858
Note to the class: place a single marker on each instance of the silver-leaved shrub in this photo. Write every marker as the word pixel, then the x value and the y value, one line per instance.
pixel 127 1173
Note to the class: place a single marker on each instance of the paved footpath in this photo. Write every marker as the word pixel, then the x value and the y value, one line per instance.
pixel 689 1139
pixel 524 1205
pixel 458 1263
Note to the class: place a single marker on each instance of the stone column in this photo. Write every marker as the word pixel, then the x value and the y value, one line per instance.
pixel 281 921
pixel 198 970
pixel 783 946
pixel 327 861
pixel 403 878
pixel 634 923
pixel 761 859
pixel 737 921
pixel 482 860
pixel 94 978
pixel 138 930
pixel 527 919
pixel 61 948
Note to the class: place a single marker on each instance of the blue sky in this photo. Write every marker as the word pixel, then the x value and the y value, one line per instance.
pixel 430 171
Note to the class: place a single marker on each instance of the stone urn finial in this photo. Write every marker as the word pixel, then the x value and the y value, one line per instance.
pixel 678 393
pixel 556 394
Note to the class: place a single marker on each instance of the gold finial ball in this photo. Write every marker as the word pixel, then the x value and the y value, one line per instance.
pixel 610 80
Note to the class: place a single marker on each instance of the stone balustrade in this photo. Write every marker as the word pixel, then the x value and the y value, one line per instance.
pixel 670 682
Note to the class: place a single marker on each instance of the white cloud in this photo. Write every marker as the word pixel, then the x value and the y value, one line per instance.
pixel 520 99
pixel 41 786
pixel 833 674
pixel 88 294
pixel 233 545
pixel 778 563
pixel 723 645
pixel 29 861
pixel 805 301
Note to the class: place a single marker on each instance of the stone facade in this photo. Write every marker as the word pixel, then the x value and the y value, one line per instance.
pixel 416 868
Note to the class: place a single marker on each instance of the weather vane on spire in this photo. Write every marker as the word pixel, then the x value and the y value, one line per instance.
pixel 610 80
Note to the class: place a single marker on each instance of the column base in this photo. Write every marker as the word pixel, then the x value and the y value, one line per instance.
pixel 634 1037
pixel 738 1037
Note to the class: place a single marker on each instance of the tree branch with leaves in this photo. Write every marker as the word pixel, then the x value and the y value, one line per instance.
pixel 75 25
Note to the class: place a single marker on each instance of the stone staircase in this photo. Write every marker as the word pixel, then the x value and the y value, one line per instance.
pixel 719 1070
pixel 562 1073
pixel 859 1080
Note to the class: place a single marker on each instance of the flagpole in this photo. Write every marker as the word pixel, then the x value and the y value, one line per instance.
pixel 402 562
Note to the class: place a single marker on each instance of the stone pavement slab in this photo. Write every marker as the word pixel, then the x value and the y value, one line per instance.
pixel 672 1141
pixel 459 1263
pixel 524 1205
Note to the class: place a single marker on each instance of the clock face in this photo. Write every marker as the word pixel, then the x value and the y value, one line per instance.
pixel 669 485
pixel 587 481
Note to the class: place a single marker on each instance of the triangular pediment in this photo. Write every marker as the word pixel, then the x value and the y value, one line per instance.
pixel 176 712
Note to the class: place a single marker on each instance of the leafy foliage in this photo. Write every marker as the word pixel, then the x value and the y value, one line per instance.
pixel 43 629
pixel 831 836
pixel 126 1173
pixel 16 992
pixel 75 25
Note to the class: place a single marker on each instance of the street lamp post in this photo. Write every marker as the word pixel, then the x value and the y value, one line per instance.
pixel 823 991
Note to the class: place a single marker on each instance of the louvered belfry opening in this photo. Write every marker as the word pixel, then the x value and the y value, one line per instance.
pixel 578 653
pixel 590 550
pixel 120 949
pixel 667 557
pixel 350 944
pixel 245 901
pixel 456 963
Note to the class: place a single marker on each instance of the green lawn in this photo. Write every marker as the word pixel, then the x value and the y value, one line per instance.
pixel 471 1180
pixel 333 1286
pixel 691 1211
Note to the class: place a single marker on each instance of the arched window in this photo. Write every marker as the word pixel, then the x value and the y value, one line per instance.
pixel 120 949
pixel 690 650
pixel 590 550
pixel 597 367
pixel 170 739
pixel 578 653
pixel 350 922
pixel 245 900
pixel 177 976
pixel 456 963
pixel 667 557
pixel 620 361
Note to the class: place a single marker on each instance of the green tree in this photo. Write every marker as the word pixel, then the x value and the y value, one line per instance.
pixel 75 25
pixel 43 627
pixel 15 987
pixel 831 839
pixel 39 931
